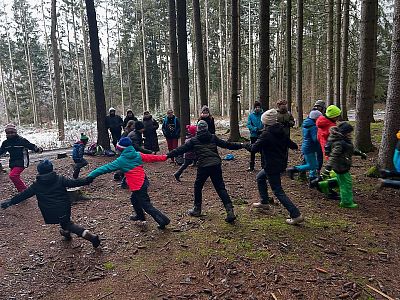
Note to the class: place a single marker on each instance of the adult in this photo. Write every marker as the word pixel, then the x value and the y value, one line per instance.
pixel 129 117
pixel 205 115
pixel 130 126
pixel 255 127
pixel 284 116
pixel 320 105
pixel 136 137
pixel 171 129
pixel 150 132
pixel 114 123
pixel 325 122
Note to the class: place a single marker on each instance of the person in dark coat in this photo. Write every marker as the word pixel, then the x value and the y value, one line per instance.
pixel 17 147
pixel 150 132
pixel 136 137
pixel 171 129
pixel 205 115
pixel 114 123
pixel 189 157
pixel 129 117
pixel 77 155
pixel 274 144
pixel 53 201
pixel 205 146
pixel 255 127
pixel 284 116
pixel 130 126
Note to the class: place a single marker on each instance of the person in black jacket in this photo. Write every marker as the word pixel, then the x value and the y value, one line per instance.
pixel 171 129
pixel 114 123
pixel 129 116
pixel 150 132
pixel 205 115
pixel 274 144
pixel 54 202
pixel 205 146
pixel 18 148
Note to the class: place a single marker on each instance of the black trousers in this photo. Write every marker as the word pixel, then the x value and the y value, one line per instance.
pixel 115 135
pixel 67 225
pixel 78 166
pixel 141 203
pixel 215 173
pixel 186 163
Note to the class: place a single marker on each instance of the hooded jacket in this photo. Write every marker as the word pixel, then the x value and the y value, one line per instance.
pixel 78 151
pixel 130 162
pixel 254 123
pixel 128 118
pixel 274 144
pixel 310 143
pixel 150 133
pixel 114 122
pixel 171 128
pixel 210 122
pixel 323 125
pixel 396 157
pixel 205 146
pixel 286 119
pixel 18 148
pixel 51 192
pixel 137 141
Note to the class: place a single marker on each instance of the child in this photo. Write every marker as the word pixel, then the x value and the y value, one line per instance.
pixel 206 116
pixel 340 150
pixel 255 127
pixel 205 146
pixel 274 144
pixel 54 202
pixel 309 147
pixel 136 137
pixel 325 122
pixel 394 182
pixel 18 148
pixel 189 157
pixel 131 163
pixel 77 155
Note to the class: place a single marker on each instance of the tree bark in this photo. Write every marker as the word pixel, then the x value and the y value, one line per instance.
pixel 3 94
pixel 263 72
pixel 63 78
pixel 121 79
pixel 207 50
pixel 250 73
pixel 86 61
pixel 233 120
pixel 366 75
pixel 289 53
pixel 110 91
pixel 299 63
pixel 146 89
pixel 337 52
pixel 221 60
pixel 174 58
pixel 56 68
pixel 344 58
pixel 329 55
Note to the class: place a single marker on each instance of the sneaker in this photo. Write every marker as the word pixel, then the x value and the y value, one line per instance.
pixel 162 225
pixel 136 218
pixel 194 212
pixel 294 221
pixel 96 241
pixel 344 205
pixel 66 234
pixel 260 205
pixel 177 177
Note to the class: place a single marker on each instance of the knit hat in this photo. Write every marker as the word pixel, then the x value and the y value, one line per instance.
pixel 191 129
pixel 84 137
pixel 44 167
pixel 315 114
pixel 320 103
pixel 345 128
pixel 281 102
pixel 333 111
pixel 202 126
pixel 11 128
pixel 123 143
pixel 257 104
pixel 111 109
pixel 205 109
pixel 398 135
pixel 270 117
pixel 139 125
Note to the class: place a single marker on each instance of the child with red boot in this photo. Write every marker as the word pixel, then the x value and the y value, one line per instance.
pixel 18 148
pixel 77 155
pixel 54 202
pixel 130 162
pixel 189 157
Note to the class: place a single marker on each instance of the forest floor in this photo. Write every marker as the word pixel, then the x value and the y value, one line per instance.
pixel 337 253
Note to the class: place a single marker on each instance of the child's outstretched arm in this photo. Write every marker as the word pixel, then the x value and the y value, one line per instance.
pixel 181 150
pixel 228 145
pixel 108 168
pixel 29 192
pixel 149 158
pixel 67 182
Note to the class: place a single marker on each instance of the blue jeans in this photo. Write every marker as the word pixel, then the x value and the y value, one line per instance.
pixel 310 165
pixel 276 186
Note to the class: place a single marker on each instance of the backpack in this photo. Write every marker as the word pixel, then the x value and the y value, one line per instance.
pixel 94 150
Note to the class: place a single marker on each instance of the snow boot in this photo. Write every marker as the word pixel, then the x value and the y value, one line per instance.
pixel 230 214
pixel 295 221
pixel 66 234
pixel 93 238
pixel 195 211
pixel 291 172
pixel 177 177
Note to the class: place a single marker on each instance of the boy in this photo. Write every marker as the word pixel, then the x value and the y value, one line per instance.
pixel 131 162
pixel 205 146
pixel 77 155
pixel 189 157
pixel 255 127
pixel 54 202
pixel 18 148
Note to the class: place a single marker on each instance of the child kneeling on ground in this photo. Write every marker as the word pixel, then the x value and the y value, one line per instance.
pixel 54 202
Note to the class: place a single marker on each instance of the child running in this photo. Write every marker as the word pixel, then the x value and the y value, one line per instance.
pixel 130 162
pixel 54 202
pixel 77 155
pixel 189 157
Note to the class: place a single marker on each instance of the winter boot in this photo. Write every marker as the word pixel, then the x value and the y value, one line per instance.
pixel 251 167
pixel 66 234
pixel 93 238
pixel 177 177
pixel 388 174
pixel 294 221
pixel 261 206
pixel 136 218
pixel 164 223
pixel 230 214
pixel 348 205
pixel 291 172
pixel 195 211
pixel 395 184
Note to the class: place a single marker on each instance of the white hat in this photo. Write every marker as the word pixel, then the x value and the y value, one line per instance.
pixel 111 109
pixel 270 117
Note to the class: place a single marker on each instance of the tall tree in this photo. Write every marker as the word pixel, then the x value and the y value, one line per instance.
pixel 338 13
pixel 299 63
pixel 344 58
pixel 146 89
pixel 288 53
pixel 263 71
pixel 329 54
pixel 3 94
pixel 173 50
pixel 366 75
pixel 86 60
pixel 56 68
pixel 392 112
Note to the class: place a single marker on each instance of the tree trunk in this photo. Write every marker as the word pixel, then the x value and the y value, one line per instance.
pixel 63 77
pixel 174 59
pixel 121 79
pixel 221 60
pixel 146 89
pixel 392 112
pixel 56 68
pixel 299 63
pixel 226 59
pixel 250 73
pixel 109 83
pixel 3 94
pixel 86 60
pixel 102 134
pixel 263 72
pixel 207 51
pixel 329 55
pixel 233 120
pixel 344 58
pixel 183 66
pixel 313 73
pixel 366 78
pixel 288 53
pixel 199 53
pixel 337 52
pixel 71 59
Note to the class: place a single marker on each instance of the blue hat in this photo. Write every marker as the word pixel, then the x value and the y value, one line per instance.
pixel 123 143
pixel 44 167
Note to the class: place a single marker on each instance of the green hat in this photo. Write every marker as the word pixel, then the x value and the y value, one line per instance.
pixel 333 111
pixel 84 137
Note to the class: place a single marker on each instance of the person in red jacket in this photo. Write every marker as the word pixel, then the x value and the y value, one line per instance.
pixel 325 122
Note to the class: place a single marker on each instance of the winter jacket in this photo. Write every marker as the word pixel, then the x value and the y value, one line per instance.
pixel 127 119
pixel 254 123
pixel 171 128
pixel 114 123
pixel 189 154
pixel 274 144
pixel 323 125
pixel 130 162
pixel 18 148
pixel 210 122
pixel 150 134
pixel 396 157
pixel 137 142
pixel 287 120
pixel 205 146
pixel 78 151
pixel 341 152
pixel 51 193
pixel 310 142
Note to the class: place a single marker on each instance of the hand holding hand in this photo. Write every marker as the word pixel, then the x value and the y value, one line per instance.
pixel 39 150
pixel 89 179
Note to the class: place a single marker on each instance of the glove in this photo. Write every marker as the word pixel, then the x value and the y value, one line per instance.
pixel 363 155
pixel 247 147
pixel 39 149
pixel 89 179
pixel 5 204
pixel 169 155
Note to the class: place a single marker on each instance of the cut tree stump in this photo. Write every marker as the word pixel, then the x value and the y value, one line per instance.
pixel 62 155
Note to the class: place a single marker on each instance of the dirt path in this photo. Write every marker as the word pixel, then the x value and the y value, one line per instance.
pixel 336 254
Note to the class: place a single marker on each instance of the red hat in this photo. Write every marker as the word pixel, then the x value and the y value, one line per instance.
pixel 191 129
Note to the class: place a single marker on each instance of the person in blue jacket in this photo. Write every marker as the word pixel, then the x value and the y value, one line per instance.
pixel 77 155
pixel 394 176
pixel 309 147
pixel 255 127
